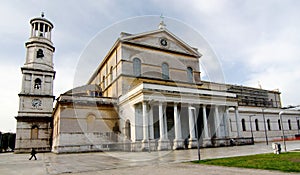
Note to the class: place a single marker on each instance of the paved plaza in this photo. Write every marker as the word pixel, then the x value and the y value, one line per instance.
pixel 162 162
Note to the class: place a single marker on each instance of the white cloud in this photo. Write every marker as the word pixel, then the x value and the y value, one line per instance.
pixel 260 41
pixel 275 64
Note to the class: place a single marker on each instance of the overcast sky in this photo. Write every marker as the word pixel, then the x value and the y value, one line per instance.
pixel 254 41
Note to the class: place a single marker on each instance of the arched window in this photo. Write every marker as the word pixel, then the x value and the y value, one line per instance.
pixel 190 74
pixel 116 132
pixel 128 130
pixel 165 71
pixel 269 124
pixel 34 132
pixel 90 123
pixel 136 67
pixel 37 83
pixel 256 125
pixel 40 53
pixel 111 74
pixel 298 124
pixel 103 81
pixel 279 125
pixel 243 125
pixel 289 123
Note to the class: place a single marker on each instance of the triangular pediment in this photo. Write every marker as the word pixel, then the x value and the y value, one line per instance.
pixel 160 39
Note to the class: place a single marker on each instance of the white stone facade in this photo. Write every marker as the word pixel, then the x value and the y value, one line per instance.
pixel 84 124
pixel 147 94
pixel 34 120
pixel 161 102
pixel 265 129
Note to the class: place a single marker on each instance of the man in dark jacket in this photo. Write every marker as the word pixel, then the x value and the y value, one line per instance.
pixel 33 152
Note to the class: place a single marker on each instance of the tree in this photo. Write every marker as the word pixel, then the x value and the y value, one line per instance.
pixel 7 140
pixel 12 140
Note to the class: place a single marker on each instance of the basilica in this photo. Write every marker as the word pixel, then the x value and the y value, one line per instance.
pixel 146 94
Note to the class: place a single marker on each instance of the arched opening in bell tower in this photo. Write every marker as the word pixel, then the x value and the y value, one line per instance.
pixel 37 83
pixel 40 53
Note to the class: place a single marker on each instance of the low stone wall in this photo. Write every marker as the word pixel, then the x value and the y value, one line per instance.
pixel 28 150
pixel 144 146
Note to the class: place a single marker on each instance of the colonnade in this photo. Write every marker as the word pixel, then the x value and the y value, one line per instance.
pixel 178 142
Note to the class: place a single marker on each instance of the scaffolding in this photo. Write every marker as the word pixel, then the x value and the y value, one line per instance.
pixel 248 96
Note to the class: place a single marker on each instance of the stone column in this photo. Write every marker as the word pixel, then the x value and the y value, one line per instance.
pixel 32 29
pixel 161 122
pixel 151 129
pixel 238 130
pixel 217 121
pixel 145 122
pixel 31 83
pixel 44 27
pixel 163 143
pixel 165 123
pixel 206 139
pixel 49 37
pixel 226 114
pixel 39 29
pixel 35 31
pixel 205 124
pixel 43 86
pixel 192 139
pixel 178 141
pixel 145 127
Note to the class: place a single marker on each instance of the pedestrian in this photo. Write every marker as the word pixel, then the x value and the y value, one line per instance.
pixel 186 143
pixel 231 142
pixel 33 153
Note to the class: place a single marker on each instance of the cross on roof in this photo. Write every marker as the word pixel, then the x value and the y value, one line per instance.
pixel 162 25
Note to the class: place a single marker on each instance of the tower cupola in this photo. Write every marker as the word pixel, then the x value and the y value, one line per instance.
pixel 40 48
pixel 41 27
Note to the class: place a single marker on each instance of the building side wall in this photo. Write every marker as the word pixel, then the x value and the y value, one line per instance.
pixel 273 130
pixel 152 60
pixel 127 113
pixel 84 125
pixel 25 141
pixel 108 73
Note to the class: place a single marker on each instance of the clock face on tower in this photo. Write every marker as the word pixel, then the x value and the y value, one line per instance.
pixel 36 103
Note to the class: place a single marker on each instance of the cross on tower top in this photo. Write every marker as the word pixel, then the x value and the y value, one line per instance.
pixel 162 17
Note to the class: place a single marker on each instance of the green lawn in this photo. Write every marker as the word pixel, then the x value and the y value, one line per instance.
pixel 286 162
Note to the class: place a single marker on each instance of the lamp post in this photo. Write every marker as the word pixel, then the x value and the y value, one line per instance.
pixel 282 129
pixel 281 124
pixel 298 124
pixel 149 135
pixel 251 128
pixel 263 112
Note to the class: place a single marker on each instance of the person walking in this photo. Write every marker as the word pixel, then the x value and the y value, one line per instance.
pixel 33 153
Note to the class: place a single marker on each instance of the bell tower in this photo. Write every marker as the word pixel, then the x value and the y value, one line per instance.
pixel 34 120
